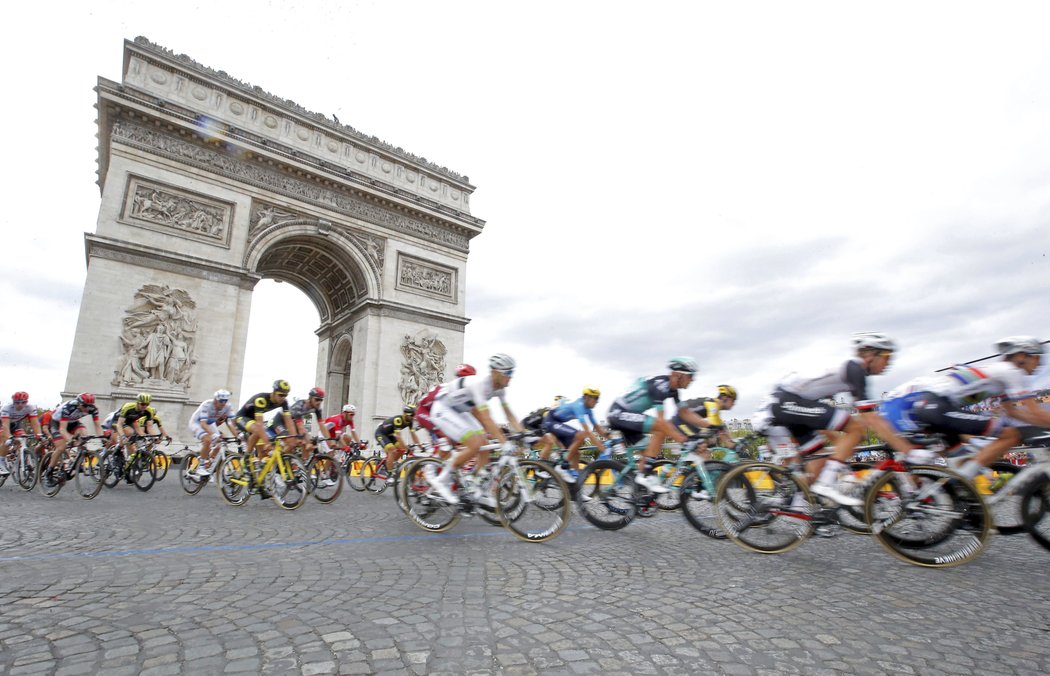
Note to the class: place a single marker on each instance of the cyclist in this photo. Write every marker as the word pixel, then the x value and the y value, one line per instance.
pixel 461 412
pixel 939 403
pixel 422 417
pixel 798 405
pixel 710 412
pixel 249 418
pixel 389 434
pixel 136 418
pixel 66 424
pixel 16 417
pixel 341 427
pixel 628 415
pixel 557 429
pixel 299 411
pixel 204 426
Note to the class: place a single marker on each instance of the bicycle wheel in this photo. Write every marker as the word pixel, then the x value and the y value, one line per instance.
pixel 51 478
pixel 373 475
pixel 411 473
pixel 698 498
pixel 422 505
pixel 928 516
pixel 1035 509
pixel 667 472
pixel 290 487
pixel 142 472
pixel 355 468
pixel 188 479
pixel 161 462
pixel 606 496
pixel 112 467
pixel 233 475
pixel 26 468
pixel 532 502
pixel 326 482
pixel 764 508
pixel 87 476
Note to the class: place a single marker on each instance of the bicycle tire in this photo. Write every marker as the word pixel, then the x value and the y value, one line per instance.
pixel 1035 510
pixel 191 483
pixel 424 509
pixel 289 490
pixel 50 480
pixel 947 528
pixel 412 475
pixel 757 508
pixel 354 477
pixel 533 502
pixel 3 477
pixel 699 510
pixel 26 473
pixel 161 462
pixel 142 472
pixel 87 474
pixel 234 479
pixel 112 468
pixel 321 469
pixel 606 496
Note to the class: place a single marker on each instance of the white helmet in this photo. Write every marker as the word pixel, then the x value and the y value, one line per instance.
pixel 502 362
pixel 1016 344
pixel 349 408
pixel 222 395
pixel 873 340
pixel 683 364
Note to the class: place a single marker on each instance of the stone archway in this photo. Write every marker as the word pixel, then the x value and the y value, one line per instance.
pixel 208 185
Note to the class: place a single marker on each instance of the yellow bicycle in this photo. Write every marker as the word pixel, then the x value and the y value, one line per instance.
pixel 282 477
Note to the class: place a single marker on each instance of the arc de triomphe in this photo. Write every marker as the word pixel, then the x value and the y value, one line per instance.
pixel 208 185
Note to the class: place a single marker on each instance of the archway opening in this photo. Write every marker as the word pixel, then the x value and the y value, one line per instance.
pixel 281 340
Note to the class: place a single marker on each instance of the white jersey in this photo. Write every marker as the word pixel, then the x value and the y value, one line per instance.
pixel 970 384
pixel 849 377
pixel 211 412
pixel 463 394
pixel 17 414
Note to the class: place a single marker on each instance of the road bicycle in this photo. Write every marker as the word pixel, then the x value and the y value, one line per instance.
pixel 324 472
pixel 139 467
pixel 526 496
pixel 282 477
pixel 23 458
pixel 78 463
pixel 190 479
pixel 360 468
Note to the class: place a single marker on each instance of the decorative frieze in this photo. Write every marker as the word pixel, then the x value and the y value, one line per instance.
pixel 177 212
pixel 225 164
pixel 264 215
pixel 419 276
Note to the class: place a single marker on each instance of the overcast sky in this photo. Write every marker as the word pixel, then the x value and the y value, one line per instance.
pixel 747 183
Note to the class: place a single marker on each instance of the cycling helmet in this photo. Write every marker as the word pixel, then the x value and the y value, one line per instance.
pixel 350 408
pixel 683 364
pixel 85 399
pixel 465 370
pixel 872 340
pixel 409 410
pixel 1017 344
pixel 20 397
pixel 281 386
pixel 222 395
pixel 144 398
pixel 503 363
pixel 592 392
pixel 317 393
pixel 727 391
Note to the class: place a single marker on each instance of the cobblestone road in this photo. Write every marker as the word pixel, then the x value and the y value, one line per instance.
pixel 164 583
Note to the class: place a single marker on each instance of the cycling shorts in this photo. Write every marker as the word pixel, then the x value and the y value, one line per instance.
pixel 457 426
pixel 564 432
pixel 938 414
pixel 805 418
pixel 633 426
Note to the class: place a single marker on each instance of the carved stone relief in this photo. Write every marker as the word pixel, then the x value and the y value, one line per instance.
pixel 419 276
pixel 422 366
pixel 264 215
pixel 154 205
pixel 158 339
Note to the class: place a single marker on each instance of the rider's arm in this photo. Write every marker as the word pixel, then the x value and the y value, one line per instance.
pixel 880 426
pixel 512 419
pixel 1027 410
pixel 488 424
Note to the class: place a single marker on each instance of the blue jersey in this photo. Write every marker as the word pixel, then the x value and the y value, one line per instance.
pixel 573 409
